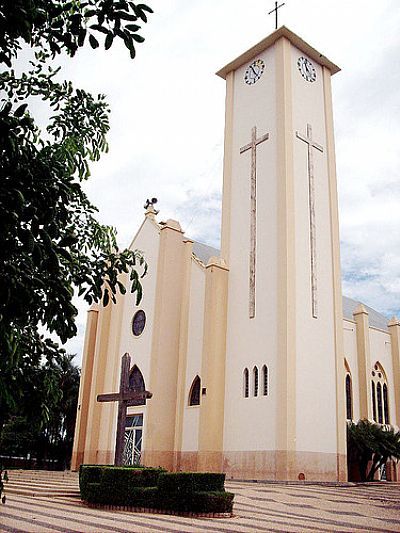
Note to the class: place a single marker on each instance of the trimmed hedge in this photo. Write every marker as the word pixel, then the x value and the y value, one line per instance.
pixel 213 502
pixel 184 482
pixel 154 488
pixel 113 484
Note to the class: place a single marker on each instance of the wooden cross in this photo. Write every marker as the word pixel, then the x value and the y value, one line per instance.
pixel 125 398
pixel 311 201
pixel 253 216
pixel 276 12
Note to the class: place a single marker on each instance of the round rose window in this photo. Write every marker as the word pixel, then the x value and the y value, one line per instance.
pixel 138 323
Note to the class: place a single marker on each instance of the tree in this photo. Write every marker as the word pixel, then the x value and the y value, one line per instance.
pixel 51 243
pixel 371 445
pixel 43 425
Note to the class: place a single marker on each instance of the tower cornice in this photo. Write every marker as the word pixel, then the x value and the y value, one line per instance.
pixel 297 41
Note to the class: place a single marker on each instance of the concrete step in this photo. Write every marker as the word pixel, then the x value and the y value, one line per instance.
pixel 41 492
pixel 58 486
pixel 42 483
pixel 46 473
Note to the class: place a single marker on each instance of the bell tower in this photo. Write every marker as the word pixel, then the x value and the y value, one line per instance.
pixel 280 239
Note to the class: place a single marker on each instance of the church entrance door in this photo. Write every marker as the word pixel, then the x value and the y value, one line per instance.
pixel 133 439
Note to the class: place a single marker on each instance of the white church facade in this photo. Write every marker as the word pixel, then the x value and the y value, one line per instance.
pixel 254 359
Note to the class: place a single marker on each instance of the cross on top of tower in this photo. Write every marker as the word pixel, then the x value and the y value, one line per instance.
pixel 275 10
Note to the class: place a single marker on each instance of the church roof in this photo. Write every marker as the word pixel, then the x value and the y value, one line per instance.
pixel 204 252
pixel 376 320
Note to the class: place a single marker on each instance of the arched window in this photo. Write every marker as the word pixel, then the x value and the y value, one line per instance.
pixel 385 403
pixel 373 400
pixel 380 402
pixel 265 384
pixel 255 381
pixel 194 395
pixel 349 398
pixel 138 322
pixel 136 383
pixel 246 383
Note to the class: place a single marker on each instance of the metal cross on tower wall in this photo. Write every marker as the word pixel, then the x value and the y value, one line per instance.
pixel 125 398
pixel 275 10
pixel 253 215
pixel 311 200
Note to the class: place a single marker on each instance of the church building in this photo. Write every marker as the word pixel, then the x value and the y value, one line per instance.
pixel 254 359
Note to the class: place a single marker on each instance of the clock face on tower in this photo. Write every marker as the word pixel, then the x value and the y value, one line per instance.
pixel 254 71
pixel 307 69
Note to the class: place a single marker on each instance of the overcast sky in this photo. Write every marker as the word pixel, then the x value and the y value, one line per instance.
pixel 167 124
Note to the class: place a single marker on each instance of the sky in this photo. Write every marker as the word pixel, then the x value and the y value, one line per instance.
pixel 167 124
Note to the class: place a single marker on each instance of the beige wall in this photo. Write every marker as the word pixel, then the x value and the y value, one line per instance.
pixel 350 353
pixel 381 352
pixel 190 434
pixel 379 349
pixel 315 337
pixel 248 422
pixel 85 388
pixel 161 409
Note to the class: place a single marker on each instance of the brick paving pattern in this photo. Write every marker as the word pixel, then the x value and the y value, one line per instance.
pixel 258 508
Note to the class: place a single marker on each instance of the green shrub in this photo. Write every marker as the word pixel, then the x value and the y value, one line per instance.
pixel 188 482
pixel 144 497
pixel 177 483
pixel 213 502
pixel 155 488
pixel 88 475
pixel 115 483
pixel 208 482
pixel 131 477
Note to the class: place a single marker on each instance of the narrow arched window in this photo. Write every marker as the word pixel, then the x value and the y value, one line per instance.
pixel 380 403
pixel 246 383
pixel 194 395
pixel 385 403
pixel 136 383
pixel 349 398
pixel 255 381
pixel 265 384
pixel 373 401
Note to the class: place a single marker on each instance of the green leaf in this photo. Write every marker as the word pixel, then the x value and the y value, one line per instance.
pixel 20 110
pixel 132 27
pixel 138 38
pixel 93 41
pixel 122 288
pixel 144 7
pixel 106 298
pixel 108 41
pixel 100 28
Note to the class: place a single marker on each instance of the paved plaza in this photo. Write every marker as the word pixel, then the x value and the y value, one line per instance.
pixel 258 507
pixel 49 501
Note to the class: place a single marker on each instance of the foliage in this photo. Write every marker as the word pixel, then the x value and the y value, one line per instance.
pixel 369 443
pixel 43 425
pixel 187 482
pixel 60 25
pixel 51 242
pixel 155 488
pixel 116 481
